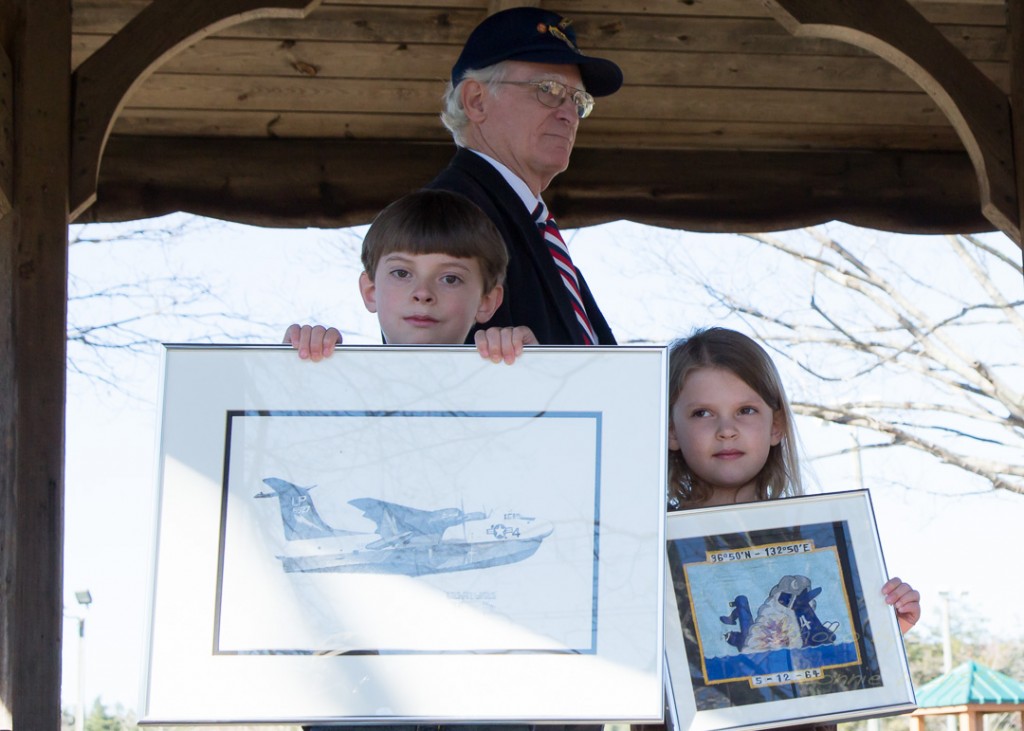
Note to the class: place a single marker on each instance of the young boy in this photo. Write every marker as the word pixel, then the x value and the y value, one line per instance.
pixel 433 266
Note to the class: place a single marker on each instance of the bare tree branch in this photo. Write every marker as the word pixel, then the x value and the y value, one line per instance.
pixel 866 321
pixel 111 311
pixel 991 470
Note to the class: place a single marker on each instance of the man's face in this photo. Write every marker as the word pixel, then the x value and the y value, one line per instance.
pixel 428 298
pixel 532 139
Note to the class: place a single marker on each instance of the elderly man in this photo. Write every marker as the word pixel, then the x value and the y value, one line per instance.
pixel 515 100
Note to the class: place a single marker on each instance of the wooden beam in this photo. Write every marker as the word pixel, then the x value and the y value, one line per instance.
pixel 159 31
pixel 334 183
pixel 214 93
pixel 975 107
pixel 696 27
pixel 33 283
pixel 727 191
pixel 496 6
pixel 651 134
pixel 961 12
pixel 323 59
pixel 6 133
pixel 8 429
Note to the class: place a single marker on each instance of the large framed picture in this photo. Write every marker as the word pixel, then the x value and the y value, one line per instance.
pixel 407 535
pixel 775 617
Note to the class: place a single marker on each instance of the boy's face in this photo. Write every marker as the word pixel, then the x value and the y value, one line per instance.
pixel 428 298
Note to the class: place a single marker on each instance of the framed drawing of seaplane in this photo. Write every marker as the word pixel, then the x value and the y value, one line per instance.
pixel 409 535
pixel 775 617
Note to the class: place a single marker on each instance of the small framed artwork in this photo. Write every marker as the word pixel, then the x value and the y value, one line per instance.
pixel 775 617
pixel 409 535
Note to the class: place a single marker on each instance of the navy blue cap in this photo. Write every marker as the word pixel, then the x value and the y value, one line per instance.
pixel 538 36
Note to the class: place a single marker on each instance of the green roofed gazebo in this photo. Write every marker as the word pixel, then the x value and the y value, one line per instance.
pixel 968 691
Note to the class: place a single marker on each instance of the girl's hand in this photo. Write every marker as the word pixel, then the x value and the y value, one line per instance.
pixel 905 600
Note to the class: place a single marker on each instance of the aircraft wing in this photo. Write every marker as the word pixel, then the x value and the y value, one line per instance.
pixel 395 520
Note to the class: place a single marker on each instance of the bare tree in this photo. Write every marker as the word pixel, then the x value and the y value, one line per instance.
pixel 126 295
pixel 925 354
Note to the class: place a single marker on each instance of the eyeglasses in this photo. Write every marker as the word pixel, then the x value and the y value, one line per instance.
pixel 553 93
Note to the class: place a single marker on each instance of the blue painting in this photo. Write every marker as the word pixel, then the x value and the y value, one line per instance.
pixel 772 614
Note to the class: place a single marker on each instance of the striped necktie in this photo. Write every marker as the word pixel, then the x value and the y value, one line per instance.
pixel 560 254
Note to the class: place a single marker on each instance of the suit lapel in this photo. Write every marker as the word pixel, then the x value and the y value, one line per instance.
pixel 533 243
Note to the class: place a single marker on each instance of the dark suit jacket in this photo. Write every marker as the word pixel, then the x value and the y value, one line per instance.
pixel 534 292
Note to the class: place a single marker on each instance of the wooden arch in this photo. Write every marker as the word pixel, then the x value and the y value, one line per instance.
pixel 103 81
pixel 974 105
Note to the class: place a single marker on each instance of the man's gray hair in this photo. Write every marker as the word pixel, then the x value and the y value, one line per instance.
pixel 454 115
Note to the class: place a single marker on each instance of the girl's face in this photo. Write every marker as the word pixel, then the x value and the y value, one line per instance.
pixel 724 430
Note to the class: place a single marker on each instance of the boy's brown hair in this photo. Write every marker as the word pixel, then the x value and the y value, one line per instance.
pixel 437 222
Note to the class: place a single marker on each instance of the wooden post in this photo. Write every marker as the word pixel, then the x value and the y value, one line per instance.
pixel 8 21
pixel 1015 27
pixel 6 131
pixel 33 304
pixel 971 720
pixel 8 16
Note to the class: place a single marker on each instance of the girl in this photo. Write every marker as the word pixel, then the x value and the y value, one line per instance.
pixel 731 436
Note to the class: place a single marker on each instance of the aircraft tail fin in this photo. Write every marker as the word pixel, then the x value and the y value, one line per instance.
pixel 298 513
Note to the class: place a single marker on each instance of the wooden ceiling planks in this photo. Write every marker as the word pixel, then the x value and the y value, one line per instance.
pixel 104 80
pixel 701 76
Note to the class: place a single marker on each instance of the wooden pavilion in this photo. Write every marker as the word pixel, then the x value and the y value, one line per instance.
pixel 969 691
pixel 736 115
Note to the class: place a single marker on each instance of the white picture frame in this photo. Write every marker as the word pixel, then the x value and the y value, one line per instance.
pixel 484 543
pixel 775 616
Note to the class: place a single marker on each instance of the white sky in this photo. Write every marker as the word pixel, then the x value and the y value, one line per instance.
pixel 935 533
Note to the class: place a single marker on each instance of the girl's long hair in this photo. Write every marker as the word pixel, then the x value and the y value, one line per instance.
pixel 718 347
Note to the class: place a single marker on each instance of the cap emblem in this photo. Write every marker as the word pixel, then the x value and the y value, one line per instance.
pixel 557 32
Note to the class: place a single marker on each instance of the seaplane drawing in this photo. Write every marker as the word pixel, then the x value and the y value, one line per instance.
pixel 407 540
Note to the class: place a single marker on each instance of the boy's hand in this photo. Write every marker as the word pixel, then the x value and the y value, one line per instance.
pixel 503 343
pixel 905 600
pixel 314 342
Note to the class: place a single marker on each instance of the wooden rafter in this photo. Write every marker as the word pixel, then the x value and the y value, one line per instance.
pixel 978 110
pixel 103 81
pixel 335 183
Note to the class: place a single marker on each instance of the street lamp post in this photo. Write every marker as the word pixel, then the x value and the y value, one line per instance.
pixel 947 642
pixel 85 599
